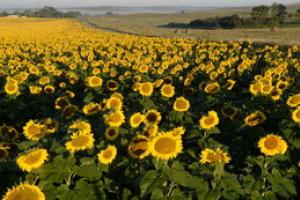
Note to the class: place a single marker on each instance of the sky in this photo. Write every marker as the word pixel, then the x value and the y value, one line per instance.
pixel 135 3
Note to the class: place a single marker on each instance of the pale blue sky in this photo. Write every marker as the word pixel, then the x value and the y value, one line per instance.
pixel 78 3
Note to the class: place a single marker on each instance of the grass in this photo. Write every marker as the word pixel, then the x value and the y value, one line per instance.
pixel 150 24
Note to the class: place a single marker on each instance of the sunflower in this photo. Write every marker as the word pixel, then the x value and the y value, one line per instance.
pixel 212 88
pixel 150 131
pixel 229 112
pixel 165 146
pixel 114 103
pixel 69 111
pixel 107 155
pixel 152 117
pixel 230 84
pixel 209 121
pixel 296 115
pixel 33 159
pixel 112 85
pixel 49 89
pixel 294 101
pixel 136 119
pixel 91 108
pixel 181 104
pixel 81 126
pixel 146 89
pixel 167 90
pixel 276 94
pixel 12 88
pixel 138 147
pixel 24 191
pixel 214 156
pixel 255 118
pixel 114 119
pixel 93 81
pixel 33 130
pixel 80 141
pixel 33 89
pixel 51 125
pixel 61 103
pixel 271 145
pixel 8 133
pixel 256 88
pixel 111 133
pixel 178 131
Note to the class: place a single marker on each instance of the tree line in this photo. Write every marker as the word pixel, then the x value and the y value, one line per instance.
pixel 46 12
pixel 260 16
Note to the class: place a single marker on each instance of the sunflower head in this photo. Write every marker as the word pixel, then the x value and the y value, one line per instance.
pixel 214 156
pixel 32 160
pixel 25 191
pixel 296 115
pixel 146 89
pixel 165 146
pixel 181 104
pixel 79 142
pixel 271 145
pixel 34 130
pixel 8 133
pixel 112 85
pixel 61 103
pixel 212 88
pixel 107 155
pixel 114 119
pixel 51 125
pixel 69 111
pixel 138 148
pixel 209 121
pixel 136 119
pixel 167 90
pixel 91 108
pixel 152 117
pixel 111 133
pixel 229 112
pixel 93 81
pixel 255 118
pixel 294 101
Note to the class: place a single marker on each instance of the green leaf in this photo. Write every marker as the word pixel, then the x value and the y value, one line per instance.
pixel 88 171
pixel 230 183
pixel 148 179
pixel 177 195
pixel 184 178
pixel 157 194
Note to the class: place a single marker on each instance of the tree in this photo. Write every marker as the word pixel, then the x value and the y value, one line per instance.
pixel 260 12
pixel 278 12
pixel 298 13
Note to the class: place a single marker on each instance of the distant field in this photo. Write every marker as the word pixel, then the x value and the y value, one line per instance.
pixel 150 24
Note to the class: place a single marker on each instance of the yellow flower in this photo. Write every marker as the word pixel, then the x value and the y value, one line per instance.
pixel 32 159
pixel 3 153
pixel 93 81
pixel 272 145
pixel 181 104
pixel 35 89
pixel 114 103
pixel 91 108
pixel 80 141
pixel 81 126
pixel 146 89
pixel 33 131
pixel 51 125
pixel 12 88
pixel 114 119
pixel 212 88
pixel 255 118
pixel 111 133
pixel 165 146
pixel 8 133
pixel 61 103
pixel 107 155
pixel 294 101
pixel 138 147
pixel 209 121
pixel 213 156
pixel 136 119
pixel 152 117
pixel 256 88
pixel 24 191
pixel 69 111
pixel 296 115
pixel 167 90
pixel 112 85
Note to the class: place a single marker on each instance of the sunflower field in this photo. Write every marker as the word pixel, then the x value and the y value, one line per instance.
pixel 91 115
